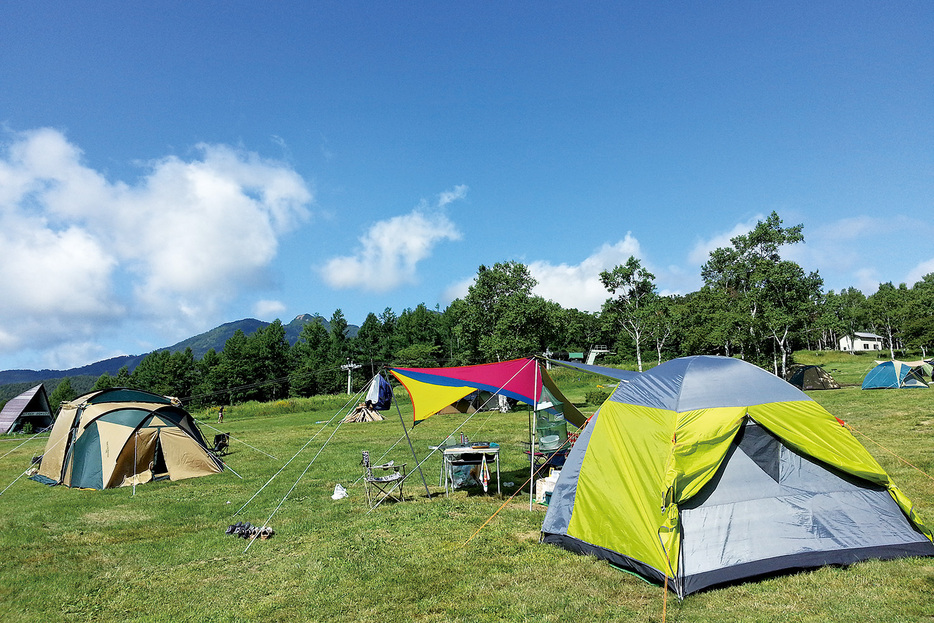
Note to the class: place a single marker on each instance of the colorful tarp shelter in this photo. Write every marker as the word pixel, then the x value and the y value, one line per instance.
pixel 706 470
pixel 31 407
pixel 893 375
pixel 524 380
pixel 123 437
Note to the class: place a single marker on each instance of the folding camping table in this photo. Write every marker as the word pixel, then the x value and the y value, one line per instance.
pixel 467 455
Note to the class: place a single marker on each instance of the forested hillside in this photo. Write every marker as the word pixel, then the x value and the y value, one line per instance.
pixel 754 304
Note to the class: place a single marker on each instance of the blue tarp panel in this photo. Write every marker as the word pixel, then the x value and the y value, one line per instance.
pixel 613 373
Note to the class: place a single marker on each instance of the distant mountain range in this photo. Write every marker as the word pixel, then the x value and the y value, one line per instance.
pixel 200 344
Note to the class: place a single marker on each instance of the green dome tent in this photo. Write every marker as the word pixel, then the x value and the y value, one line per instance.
pixel 706 470
pixel 123 437
pixel 893 375
pixel 808 378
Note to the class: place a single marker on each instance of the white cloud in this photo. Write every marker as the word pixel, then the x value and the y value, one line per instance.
pixel 450 196
pixel 457 290
pixel 570 285
pixel 389 251
pixel 184 238
pixel 702 249
pixel 919 271
pixel 579 285
pixel 268 310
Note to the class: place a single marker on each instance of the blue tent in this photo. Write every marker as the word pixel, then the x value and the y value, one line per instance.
pixel 892 375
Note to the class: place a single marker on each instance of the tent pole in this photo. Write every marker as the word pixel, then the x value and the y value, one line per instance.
pixel 135 459
pixel 407 438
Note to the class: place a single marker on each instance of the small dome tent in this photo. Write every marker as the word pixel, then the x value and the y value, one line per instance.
pixel 121 437
pixel 812 377
pixel 707 470
pixel 893 375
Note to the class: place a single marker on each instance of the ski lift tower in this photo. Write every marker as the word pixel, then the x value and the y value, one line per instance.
pixel 594 351
pixel 350 367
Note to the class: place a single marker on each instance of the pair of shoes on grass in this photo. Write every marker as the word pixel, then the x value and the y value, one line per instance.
pixel 249 531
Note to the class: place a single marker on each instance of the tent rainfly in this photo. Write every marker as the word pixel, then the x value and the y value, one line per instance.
pixel 122 437
pixel 31 407
pixel 707 470
pixel 893 375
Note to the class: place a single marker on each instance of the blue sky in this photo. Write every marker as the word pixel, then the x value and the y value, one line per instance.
pixel 167 167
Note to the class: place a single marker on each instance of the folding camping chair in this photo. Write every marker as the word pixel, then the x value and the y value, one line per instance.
pixel 383 487
pixel 221 444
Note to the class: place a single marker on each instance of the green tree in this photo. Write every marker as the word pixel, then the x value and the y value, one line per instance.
pixel 887 311
pixel 236 373
pixel 919 324
pixel 309 357
pixel 664 317
pixel 104 381
pixel 208 392
pixel 500 318
pixel 631 307
pixel 123 377
pixel 153 374
pixel 581 330
pixel 419 327
pixel 752 275
pixel 183 373
pixel 63 393
pixel 367 344
pixel 272 365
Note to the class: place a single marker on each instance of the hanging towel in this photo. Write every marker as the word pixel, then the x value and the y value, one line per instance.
pixel 484 474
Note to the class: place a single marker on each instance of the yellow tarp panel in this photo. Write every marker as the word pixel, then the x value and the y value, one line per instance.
pixel 428 399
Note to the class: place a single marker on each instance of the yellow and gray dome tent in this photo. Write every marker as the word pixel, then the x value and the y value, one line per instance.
pixel 122 437
pixel 708 470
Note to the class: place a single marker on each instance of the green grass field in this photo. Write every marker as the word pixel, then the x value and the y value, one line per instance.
pixel 162 555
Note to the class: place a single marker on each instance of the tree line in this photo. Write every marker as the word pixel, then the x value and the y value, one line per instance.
pixel 753 304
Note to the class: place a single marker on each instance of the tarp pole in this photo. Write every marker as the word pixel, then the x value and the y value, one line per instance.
pixel 533 417
pixel 418 464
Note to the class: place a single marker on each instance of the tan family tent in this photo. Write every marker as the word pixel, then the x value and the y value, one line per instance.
pixel 122 437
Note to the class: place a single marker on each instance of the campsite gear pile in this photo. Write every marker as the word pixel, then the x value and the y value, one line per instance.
pixel 249 531
pixel 706 470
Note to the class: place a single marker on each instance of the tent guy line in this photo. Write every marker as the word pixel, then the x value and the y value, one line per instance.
pixel 300 450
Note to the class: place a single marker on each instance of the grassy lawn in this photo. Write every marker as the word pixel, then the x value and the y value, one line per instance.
pixel 162 555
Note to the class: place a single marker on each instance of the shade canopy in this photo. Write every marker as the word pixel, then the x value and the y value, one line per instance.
pixel 524 380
